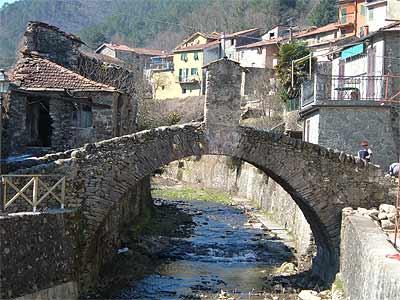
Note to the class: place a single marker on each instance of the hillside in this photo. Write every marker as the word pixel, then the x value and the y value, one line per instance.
pixel 150 23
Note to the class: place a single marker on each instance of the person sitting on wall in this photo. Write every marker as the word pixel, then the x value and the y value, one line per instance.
pixel 394 169
pixel 365 153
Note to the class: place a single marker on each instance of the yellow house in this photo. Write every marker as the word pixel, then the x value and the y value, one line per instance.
pixel 187 77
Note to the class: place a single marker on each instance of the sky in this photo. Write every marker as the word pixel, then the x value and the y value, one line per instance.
pixel 6 1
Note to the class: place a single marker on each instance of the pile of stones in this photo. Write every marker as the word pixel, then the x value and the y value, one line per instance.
pixel 385 216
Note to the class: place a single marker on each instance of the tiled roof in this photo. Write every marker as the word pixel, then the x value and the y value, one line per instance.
pixel 323 29
pixel 261 43
pixel 196 47
pixel 143 51
pixel 243 32
pixel 35 73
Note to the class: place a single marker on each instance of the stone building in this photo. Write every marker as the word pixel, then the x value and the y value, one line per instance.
pixel 62 98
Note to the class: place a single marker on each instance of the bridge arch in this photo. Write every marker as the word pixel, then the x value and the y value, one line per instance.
pixel 322 182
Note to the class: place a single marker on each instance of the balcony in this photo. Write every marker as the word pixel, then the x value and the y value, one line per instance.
pixel 324 88
pixel 162 66
pixel 188 79
pixel 346 20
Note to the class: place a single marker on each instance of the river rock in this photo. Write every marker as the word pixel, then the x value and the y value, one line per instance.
pixel 287 268
pixel 308 295
pixel 387 225
pixel 373 213
pixel 362 211
pixel 391 217
pixel 382 216
pixel 387 208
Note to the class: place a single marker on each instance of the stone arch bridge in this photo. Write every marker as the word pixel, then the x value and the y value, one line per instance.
pixel 321 181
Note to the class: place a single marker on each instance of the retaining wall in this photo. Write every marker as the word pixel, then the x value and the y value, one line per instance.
pixel 38 251
pixel 366 272
pixel 244 180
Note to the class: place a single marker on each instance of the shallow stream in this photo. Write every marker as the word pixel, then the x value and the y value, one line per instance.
pixel 226 251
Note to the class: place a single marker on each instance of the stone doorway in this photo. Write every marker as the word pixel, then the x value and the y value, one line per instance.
pixel 38 122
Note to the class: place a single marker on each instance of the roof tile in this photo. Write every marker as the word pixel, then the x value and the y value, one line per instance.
pixel 40 73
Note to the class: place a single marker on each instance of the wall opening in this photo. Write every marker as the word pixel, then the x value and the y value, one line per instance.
pixel 38 122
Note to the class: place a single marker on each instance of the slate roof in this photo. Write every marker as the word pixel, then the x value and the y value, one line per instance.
pixel 36 73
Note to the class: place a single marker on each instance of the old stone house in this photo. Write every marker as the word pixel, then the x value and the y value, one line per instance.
pixel 62 98
pixel 53 107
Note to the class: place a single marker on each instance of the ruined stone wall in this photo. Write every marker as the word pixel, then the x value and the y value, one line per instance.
pixel 38 251
pixel 244 180
pixel 365 270
pixel 51 42
pixel 61 117
pixel 14 124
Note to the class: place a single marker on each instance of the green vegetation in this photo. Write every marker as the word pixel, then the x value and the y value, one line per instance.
pixel 189 193
pixel 288 53
pixel 323 13
pixel 151 23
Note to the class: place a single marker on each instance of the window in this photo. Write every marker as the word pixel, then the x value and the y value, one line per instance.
pixel 343 18
pixel 371 14
pixel 271 35
pixel 363 10
pixel 193 71
pixel 232 42
pixel 163 87
pixel 82 116
pixel 183 91
pixel 196 55
pixel 184 57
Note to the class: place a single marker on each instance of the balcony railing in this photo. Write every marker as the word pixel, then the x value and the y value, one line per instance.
pixel 188 79
pixel 347 19
pixel 339 88
pixel 160 66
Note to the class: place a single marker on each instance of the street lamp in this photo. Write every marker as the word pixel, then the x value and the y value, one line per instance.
pixel 4 85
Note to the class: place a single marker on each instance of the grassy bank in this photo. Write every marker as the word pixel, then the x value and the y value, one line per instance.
pixel 191 193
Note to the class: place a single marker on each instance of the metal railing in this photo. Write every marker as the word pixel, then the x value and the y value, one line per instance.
pixel 188 79
pixel 36 187
pixel 351 88
pixel 160 66
pixel 358 88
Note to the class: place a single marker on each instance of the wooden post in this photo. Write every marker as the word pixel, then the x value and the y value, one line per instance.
pixel 63 193
pixel 35 192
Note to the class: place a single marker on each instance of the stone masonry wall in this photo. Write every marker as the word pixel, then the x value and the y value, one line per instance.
pixel 109 238
pixel 365 270
pixel 377 124
pixel 37 251
pixel 244 180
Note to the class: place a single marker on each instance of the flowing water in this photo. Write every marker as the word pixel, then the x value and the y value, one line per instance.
pixel 225 251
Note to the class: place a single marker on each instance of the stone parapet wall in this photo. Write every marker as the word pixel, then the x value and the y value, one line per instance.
pixel 366 272
pixel 244 180
pixel 37 251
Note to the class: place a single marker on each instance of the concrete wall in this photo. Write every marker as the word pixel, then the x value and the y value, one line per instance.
pixel 244 180
pixel 37 252
pixel 311 129
pixel 365 270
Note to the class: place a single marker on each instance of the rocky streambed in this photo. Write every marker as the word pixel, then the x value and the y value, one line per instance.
pixel 202 249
